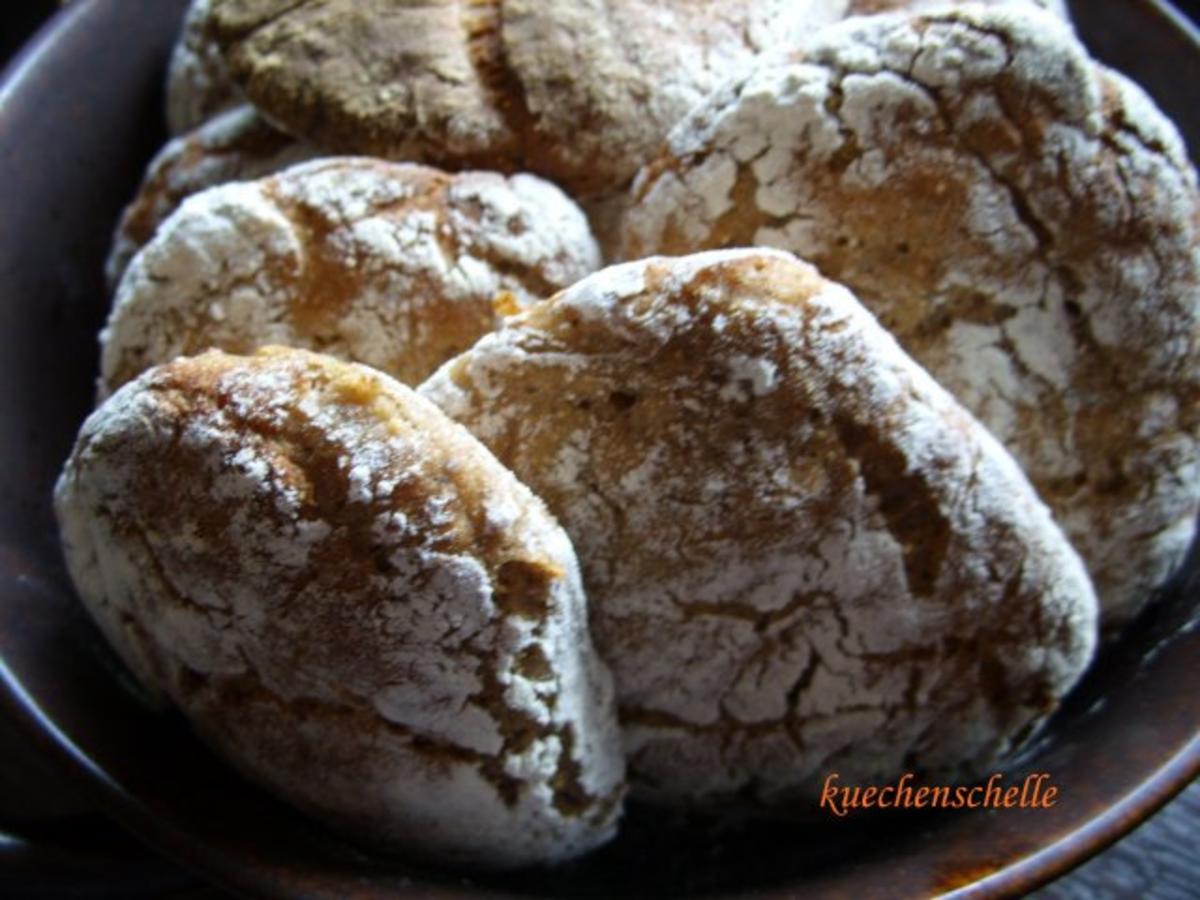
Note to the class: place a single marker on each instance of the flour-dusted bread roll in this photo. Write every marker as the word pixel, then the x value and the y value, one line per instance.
pixel 236 145
pixel 198 81
pixel 351 600
pixel 801 554
pixel 580 91
pixel 1023 220
pixel 397 266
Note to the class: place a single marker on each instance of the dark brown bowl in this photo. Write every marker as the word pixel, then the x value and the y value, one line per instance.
pixel 80 114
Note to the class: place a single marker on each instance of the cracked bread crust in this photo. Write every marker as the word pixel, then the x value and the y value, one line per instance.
pixel 581 92
pixel 602 81
pixel 393 265
pixel 395 80
pixel 199 85
pixel 351 600
pixel 1024 221
pixel 801 554
pixel 236 145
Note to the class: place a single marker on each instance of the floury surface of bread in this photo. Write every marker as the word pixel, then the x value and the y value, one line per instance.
pixel 587 91
pixel 394 265
pixel 351 600
pixel 235 145
pixel 801 554
pixel 1023 220
pixel 579 91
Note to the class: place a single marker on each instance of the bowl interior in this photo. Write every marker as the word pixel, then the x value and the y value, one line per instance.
pixel 80 113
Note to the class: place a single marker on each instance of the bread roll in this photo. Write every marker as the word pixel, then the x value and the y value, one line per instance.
pixel 802 556
pixel 351 600
pixel 397 266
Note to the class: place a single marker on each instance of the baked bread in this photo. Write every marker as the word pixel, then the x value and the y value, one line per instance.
pixel 198 82
pixel 603 80
pixel 801 554
pixel 236 145
pixel 581 92
pixel 351 600
pixel 397 266
pixel 1022 219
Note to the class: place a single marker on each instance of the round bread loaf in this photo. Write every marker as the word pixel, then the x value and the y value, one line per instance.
pixel 351 600
pixel 198 82
pixel 801 555
pixel 236 145
pixel 1023 220
pixel 397 266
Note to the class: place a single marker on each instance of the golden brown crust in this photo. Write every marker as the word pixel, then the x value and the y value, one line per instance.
pixel 396 80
